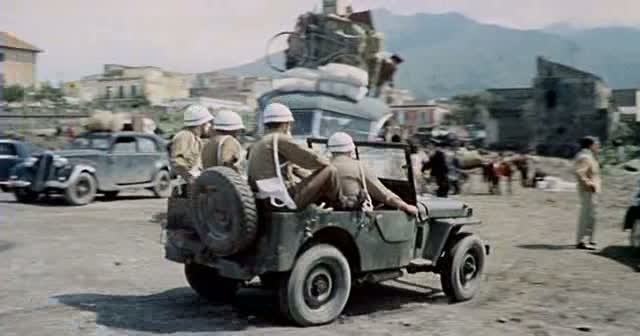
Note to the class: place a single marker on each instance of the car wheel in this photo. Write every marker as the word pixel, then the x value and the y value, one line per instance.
pixel 82 191
pixel 209 284
pixel 462 269
pixel 634 237
pixel 24 195
pixel 111 195
pixel 318 287
pixel 162 184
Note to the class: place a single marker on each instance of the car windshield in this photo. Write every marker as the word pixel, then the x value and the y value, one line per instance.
pixel 388 163
pixel 8 149
pixel 93 142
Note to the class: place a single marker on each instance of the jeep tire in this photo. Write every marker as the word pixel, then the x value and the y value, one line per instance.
pixel 317 289
pixel 223 211
pixel 209 284
pixel 81 191
pixel 162 184
pixel 462 267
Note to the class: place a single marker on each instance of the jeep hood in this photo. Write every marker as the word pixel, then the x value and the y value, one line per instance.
pixel 442 207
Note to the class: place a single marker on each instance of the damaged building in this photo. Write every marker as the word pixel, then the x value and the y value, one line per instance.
pixel 563 105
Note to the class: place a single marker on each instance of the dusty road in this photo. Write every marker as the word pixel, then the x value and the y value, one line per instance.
pixel 99 270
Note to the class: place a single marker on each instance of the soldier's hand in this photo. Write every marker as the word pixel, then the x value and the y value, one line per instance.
pixel 411 210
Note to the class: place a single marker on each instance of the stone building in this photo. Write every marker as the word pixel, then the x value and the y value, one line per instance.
pixel 18 61
pixel 563 105
pixel 120 85
pixel 627 102
pixel 218 85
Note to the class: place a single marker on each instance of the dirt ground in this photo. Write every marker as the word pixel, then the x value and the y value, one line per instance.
pixel 99 270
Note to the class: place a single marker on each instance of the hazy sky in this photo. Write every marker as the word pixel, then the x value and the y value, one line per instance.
pixel 78 36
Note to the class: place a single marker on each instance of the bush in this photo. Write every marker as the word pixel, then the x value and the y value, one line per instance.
pixel 12 93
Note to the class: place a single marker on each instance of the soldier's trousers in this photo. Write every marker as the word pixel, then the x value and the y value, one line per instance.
pixel 587 219
pixel 322 184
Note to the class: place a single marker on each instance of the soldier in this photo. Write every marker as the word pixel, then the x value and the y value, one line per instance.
pixel 224 149
pixel 359 184
pixel 587 172
pixel 275 161
pixel 186 145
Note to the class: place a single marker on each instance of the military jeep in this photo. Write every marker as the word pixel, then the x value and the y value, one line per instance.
pixel 226 238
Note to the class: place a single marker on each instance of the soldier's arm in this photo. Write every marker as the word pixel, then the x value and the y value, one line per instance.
pixel 299 155
pixel 182 153
pixel 380 193
pixel 231 151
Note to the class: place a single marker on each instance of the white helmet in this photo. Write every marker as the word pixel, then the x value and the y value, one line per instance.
pixel 227 120
pixel 341 143
pixel 196 115
pixel 277 113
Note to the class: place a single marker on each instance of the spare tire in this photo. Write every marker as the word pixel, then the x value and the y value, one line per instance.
pixel 224 211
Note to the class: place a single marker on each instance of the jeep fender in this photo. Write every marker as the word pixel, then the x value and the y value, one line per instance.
pixel 440 230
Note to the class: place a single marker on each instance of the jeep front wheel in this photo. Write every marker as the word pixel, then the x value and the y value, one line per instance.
pixel 462 270
pixel 318 287
pixel 81 191
pixel 209 284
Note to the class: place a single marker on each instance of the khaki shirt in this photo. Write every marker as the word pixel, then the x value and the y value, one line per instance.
pixel 262 165
pixel 350 179
pixel 186 149
pixel 230 156
pixel 587 170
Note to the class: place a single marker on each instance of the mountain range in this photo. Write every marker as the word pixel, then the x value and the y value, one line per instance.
pixel 450 54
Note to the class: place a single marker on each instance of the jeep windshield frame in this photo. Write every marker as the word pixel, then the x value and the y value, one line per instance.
pixel 405 188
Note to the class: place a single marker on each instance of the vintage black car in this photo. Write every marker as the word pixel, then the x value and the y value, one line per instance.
pixel 313 256
pixel 13 152
pixel 96 162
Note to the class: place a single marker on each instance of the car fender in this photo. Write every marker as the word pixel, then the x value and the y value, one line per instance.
pixel 440 231
pixel 78 169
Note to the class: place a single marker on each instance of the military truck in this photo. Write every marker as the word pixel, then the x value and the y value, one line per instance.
pixel 313 257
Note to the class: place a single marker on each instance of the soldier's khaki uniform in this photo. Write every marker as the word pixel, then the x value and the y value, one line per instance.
pixel 587 171
pixel 230 155
pixel 305 188
pixel 186 149
pixel 350 175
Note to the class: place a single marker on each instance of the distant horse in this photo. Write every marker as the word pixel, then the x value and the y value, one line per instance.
pixel 493 171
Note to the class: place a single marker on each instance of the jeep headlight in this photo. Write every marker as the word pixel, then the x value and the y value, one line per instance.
pixel 59 162
pixel 30 162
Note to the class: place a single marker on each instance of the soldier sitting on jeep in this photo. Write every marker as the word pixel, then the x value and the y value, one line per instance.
pixel 358 184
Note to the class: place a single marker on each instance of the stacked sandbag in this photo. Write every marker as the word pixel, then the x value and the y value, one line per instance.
pixel 340 80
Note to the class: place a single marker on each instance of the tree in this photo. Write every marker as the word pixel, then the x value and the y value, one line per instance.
pixel 47 91
pixel 12 93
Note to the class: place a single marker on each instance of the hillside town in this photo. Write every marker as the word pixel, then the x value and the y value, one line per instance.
pixel 320 194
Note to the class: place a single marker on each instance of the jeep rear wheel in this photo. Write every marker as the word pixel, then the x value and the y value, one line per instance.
pixel 318 287
pixel 81 191
pixel 209 284
pixel 462 269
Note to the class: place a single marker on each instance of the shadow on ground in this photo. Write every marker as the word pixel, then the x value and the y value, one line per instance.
pixel 549 247
pixel 625 255
pixel 58 201
pixel 181 310
pixel 6 245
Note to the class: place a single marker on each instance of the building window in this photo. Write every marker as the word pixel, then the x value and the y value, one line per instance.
pixel 1 57
pixel 121 91
pixel 551 99
pixel 108 93
pixel 134 91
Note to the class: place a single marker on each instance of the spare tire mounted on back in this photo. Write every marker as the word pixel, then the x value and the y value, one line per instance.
pixel 224 211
